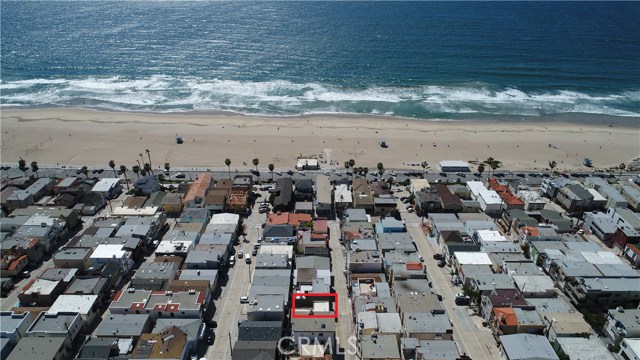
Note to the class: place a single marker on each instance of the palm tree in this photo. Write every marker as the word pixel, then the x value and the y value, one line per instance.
pixel 365 171
pixel 112 165
pixel 149 155
pixel 35 168
pixel 380 168
pixel 85 171
pixel 147 168
pixel 136 170
pixel 22 165
pixel 424 165
pixel 271 168
pixel 493 163
pixel 143 172
pixel 351 163
pixel 622 166
pixel 228 163
pixel 480 169
pixel 123 169
pixel 255 162
pixel 141 157
pixel 167 166
pixel 552 165
pixel 489 161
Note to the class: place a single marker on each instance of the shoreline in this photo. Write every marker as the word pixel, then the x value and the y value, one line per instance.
pixel 568 118
pixel 93 137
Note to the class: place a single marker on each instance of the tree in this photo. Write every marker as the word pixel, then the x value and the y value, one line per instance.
pixel 136 170
pixel 622 166
pixel 380 168
pixel 424 165
pixel 141 157
pixel 552 165
pixel 143 172
pixel 271 168
pixel 493 163
pixel 480 169
pixel 365 171
pixel 22 165
pixel 147 168
pixel 35 168
pixel 85 171
pixel 346 165
pixel 255 162
pixel 167 166
pixel 149 156
pixel 352 163
pixel 123 170
pixel 488 162
pixel 228 163
pixel 112 165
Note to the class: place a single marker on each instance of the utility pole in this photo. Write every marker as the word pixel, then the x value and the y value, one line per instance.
pixel 230 348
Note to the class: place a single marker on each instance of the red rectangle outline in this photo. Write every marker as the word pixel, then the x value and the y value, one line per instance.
pixel 293 306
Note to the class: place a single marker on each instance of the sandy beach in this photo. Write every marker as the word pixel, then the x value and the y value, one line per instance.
pixel 80 137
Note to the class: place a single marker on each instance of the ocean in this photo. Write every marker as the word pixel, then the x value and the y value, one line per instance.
pixel 421 60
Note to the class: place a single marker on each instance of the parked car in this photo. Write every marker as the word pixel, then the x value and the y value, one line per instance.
pixel 411 210
pixel 247 260
pixel 240 254
pixel 443 174
pixel 438 257
pixel 442 263
pixel 421 259
pixel 244 300
pixel 180 176
pixel 290 172
pixel 409 207
pixel 254 252
pixel 462 299
pixel 278 173
pixel 392 173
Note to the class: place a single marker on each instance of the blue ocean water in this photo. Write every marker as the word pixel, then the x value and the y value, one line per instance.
pixel 410 59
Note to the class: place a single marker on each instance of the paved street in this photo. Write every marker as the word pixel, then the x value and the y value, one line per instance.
pixel 474 340
pixel 345 324
pixel 228 307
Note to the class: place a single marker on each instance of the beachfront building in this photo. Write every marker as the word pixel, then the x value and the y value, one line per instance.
pixel 198 190
pixel 107 187
pixel 454 166
pixel 307 164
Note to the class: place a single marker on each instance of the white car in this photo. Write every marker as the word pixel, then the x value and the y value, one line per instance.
pixel 278 173
pixel 326 173
pixel 339 173
pixel 301 172
pixel 392 173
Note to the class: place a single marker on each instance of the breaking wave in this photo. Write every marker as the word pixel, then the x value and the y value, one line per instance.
pixel 283 98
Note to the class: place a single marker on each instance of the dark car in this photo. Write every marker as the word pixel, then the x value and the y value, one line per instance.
pixel 290 172
pixel 443 174
pixel 247 260
pixel 254 252
pixel 441 263
pixel 438 257
pixel 180 176
pixel 79 171
pixel 498 174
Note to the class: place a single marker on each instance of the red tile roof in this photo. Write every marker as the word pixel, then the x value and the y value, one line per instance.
pixel 298 219
pixel 413 266
pixel 506 316
pixel 511 199
pixel 199 187
pixel 278 218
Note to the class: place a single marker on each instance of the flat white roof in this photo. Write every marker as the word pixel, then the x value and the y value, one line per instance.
pixel 596 195
pixel 490 197
pixel 343 194
pixel 457 163
pixel 225 218
pixel 170 246
pixel 490 235
pixel 105 184
pixel 473 258
pixel 104 251
pixel 601 257
pixel 475 187
pixel 81 304
pixel 125 211
pixel 307 162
